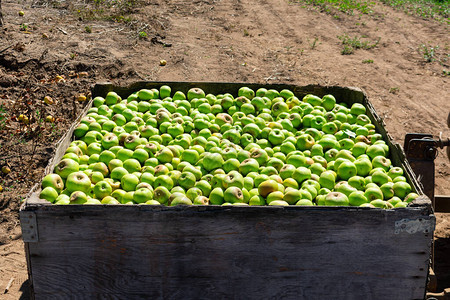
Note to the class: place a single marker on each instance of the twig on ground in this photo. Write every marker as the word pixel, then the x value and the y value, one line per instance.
pixel 8 286
pixel 62 30
pixel 4 49
pixel 1 14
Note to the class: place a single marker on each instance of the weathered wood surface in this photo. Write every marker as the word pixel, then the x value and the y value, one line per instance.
pixel 143 252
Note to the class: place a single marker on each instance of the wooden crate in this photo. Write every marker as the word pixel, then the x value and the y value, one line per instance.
pixel 223 252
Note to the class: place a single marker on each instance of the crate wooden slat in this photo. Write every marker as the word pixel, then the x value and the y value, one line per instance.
pixel 204 252
pixel 192 252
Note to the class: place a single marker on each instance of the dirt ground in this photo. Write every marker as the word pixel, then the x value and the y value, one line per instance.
pixel 267 41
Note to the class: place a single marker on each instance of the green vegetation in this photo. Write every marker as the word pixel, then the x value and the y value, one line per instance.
pixel 3 116
pixel 394 90
pixel 142 35
pixel 345 6
pixel 367 61
pixel 428 52
pixel 428 9
pixel 112 10
pixel 351 44
pixel 313 44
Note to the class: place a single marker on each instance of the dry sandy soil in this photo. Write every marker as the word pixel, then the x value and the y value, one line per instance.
pixel 267 41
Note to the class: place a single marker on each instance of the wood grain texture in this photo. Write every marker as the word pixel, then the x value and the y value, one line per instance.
pixel 228 253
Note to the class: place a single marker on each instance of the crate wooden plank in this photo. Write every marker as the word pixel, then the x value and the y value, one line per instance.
pixel 233 253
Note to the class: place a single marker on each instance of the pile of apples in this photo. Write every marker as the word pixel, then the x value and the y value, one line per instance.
pixel 263 147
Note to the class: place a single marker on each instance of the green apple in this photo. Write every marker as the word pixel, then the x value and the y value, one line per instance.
pixel 292 196
pixel 358 182
pixel 301 174
pixel 233 178
pixel 379 203
pixel 119 195
pixel 233 194
pixel 260 155
pixel 114 163
pixel 257 201
pixel 305 142
pixel 204 186
pixel 357 198
pixel 346 170
pixel 142 195
pixel 362 120
pixel 231 164
pixel 216 197
pixel 248 165
pixel 357 109
pixel 129 182
pixel 81 130
pixel 410 197
pixel 401 204
pixel 287 171
pixel 164 91
pixel 278 203
pixel 336 199
pixel 373 193
pixel 229 153
pixel 267 187
pixel 65 167
pixel 276 163
pixel 191 156
pixel 106 156
pixel 359 148
pixel 161 194
pixel 379 177
pixel 328 102
pixel 102 189
pixel 118 173
pixel 399 178
pixel 395 172
pixel 327 179
pixel 304 202
pixel 212 161
pixel 181 200
pixel 387 189
pixel 164 155
pixel 381 162
pixel 329 128
pixel 375 150
pixel 62 199
pixel 187 180
pixel 78 197
pixel 345 188
pixel 194 170
pixel 394 200
pixel 53 180
pixel 78 181
pixel 201 200
pixel 49 193
pixel 195 93
pixel 166 181
pixel 363 166
pixel 402 189
pixel 312 99
pixel 275 196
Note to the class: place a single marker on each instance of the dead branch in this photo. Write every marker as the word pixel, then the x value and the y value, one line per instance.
pixel 1 15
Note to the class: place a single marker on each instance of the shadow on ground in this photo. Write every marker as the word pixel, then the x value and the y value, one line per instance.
pixel 442 263
pixel 25 291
